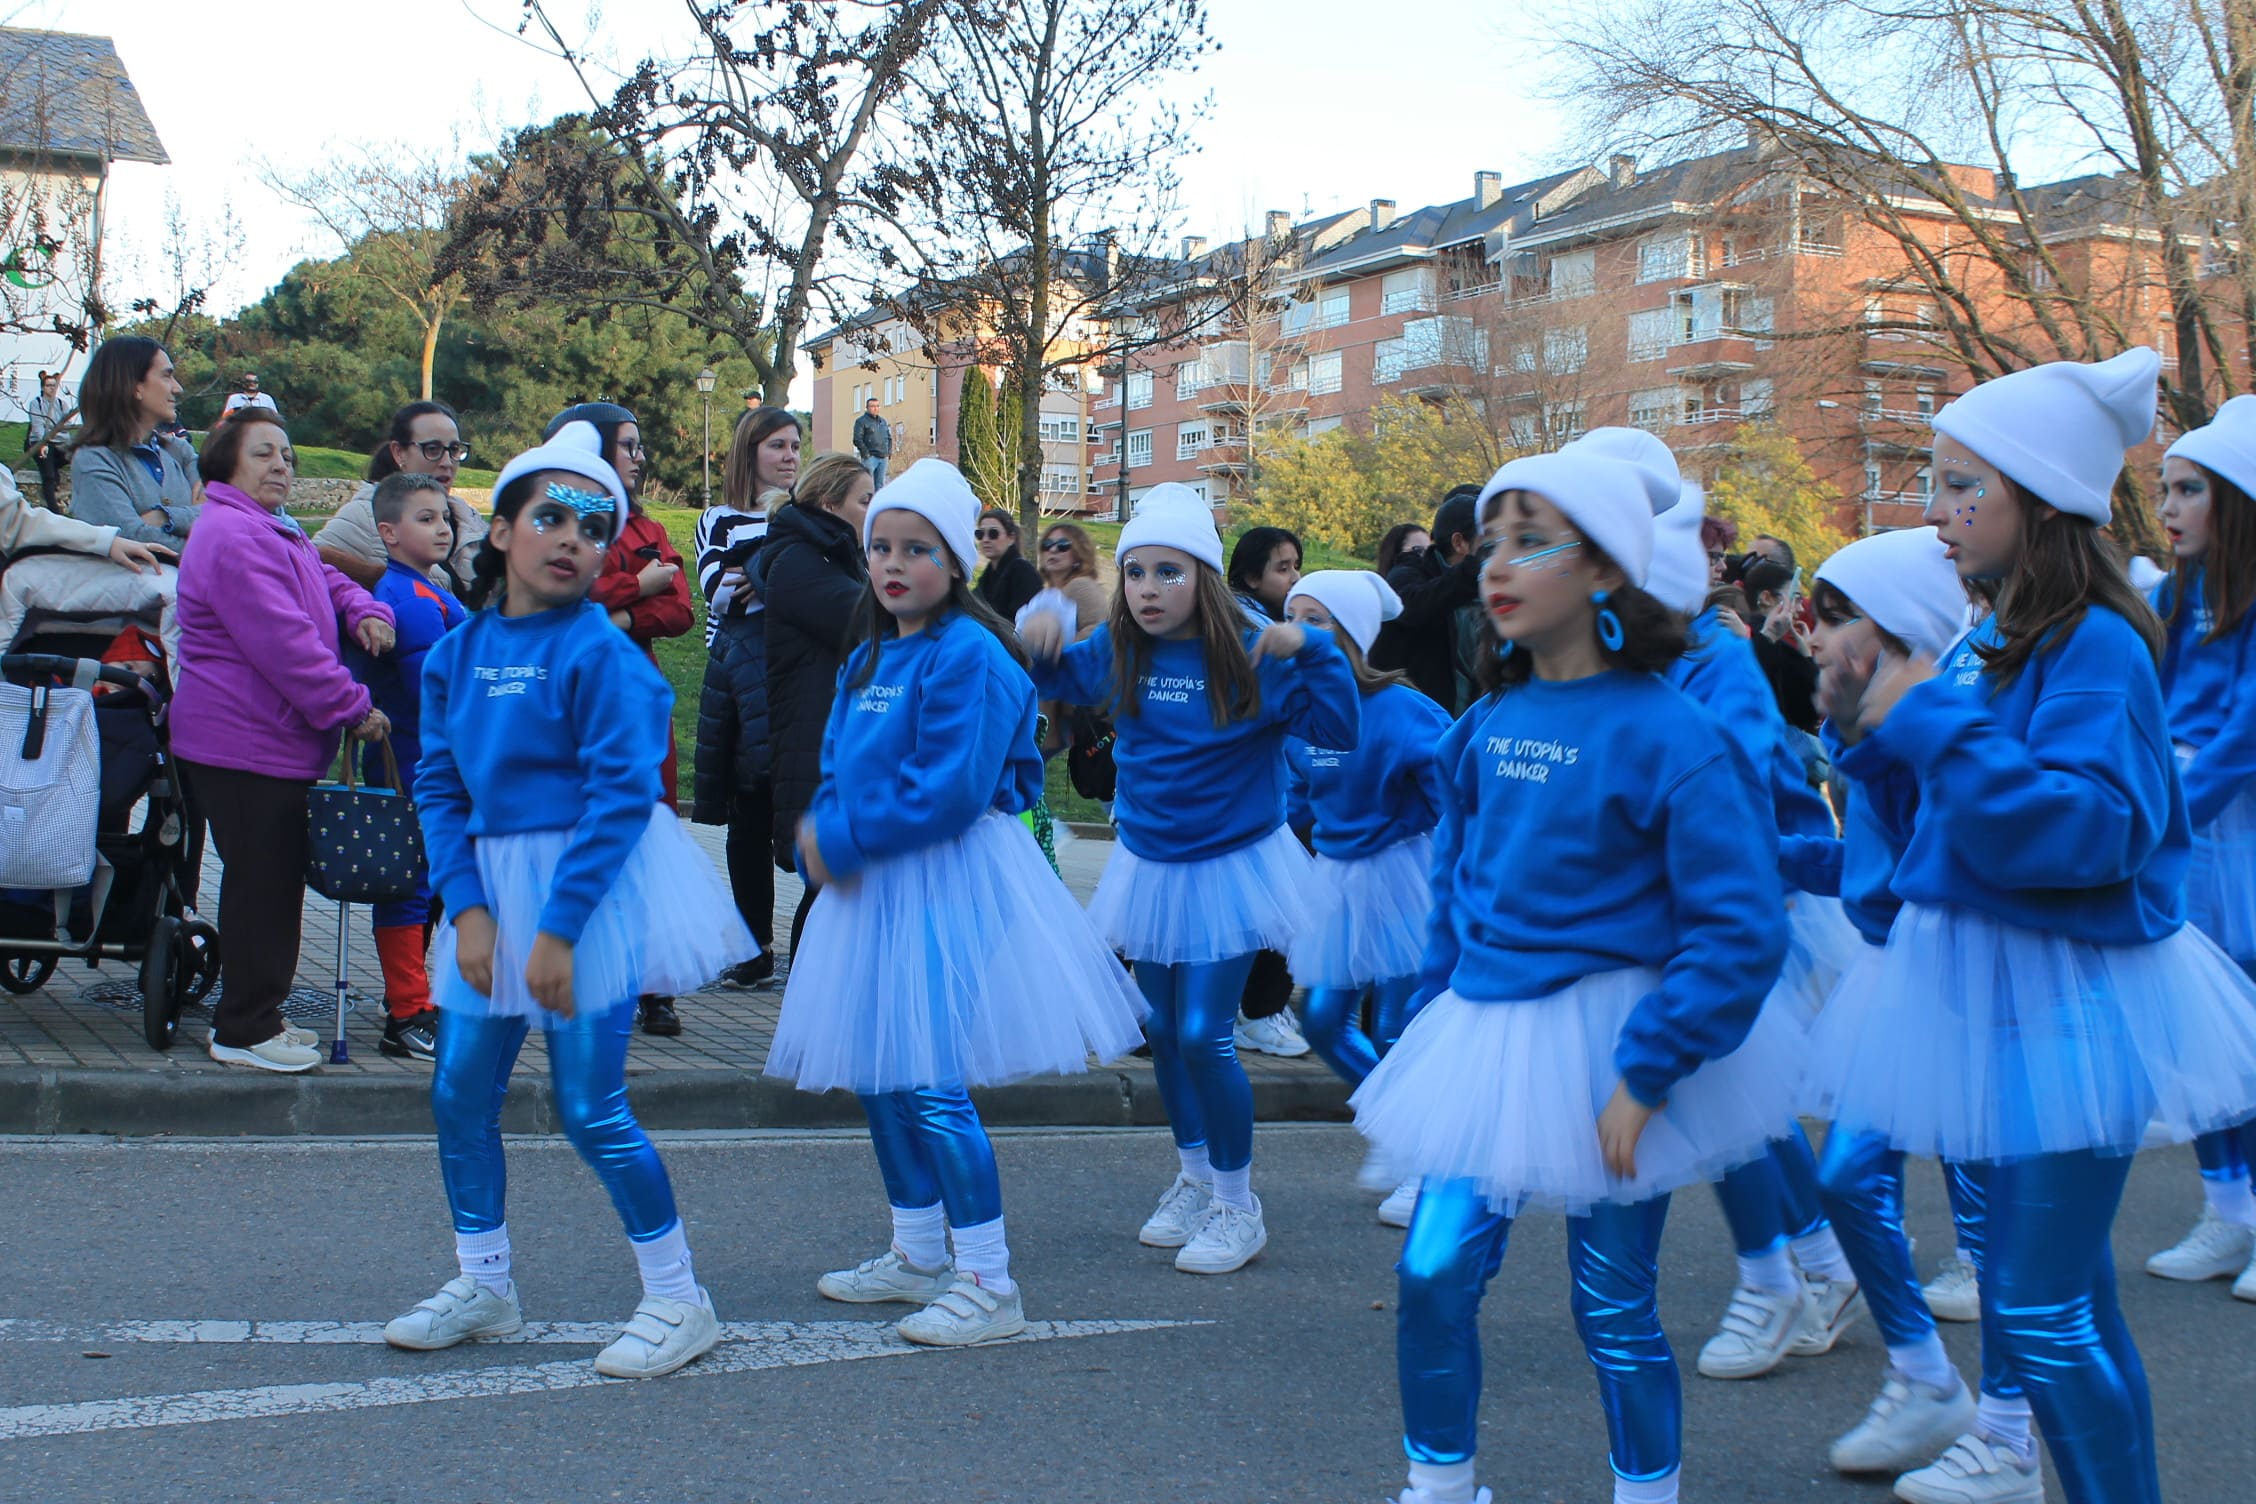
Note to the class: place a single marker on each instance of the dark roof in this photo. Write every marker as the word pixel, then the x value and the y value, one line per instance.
pixel 1698 181
pixel 2085 204
pixel 1438 225
pixel 68 95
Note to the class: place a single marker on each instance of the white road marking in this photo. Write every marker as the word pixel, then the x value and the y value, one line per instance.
pixel 747 1346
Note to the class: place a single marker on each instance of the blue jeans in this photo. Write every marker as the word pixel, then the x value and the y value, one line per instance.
pixel 875 464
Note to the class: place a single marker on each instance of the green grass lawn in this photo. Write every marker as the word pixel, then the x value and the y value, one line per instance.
pixel 315 463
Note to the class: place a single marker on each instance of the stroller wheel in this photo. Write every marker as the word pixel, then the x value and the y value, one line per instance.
pixel 23 974
pixel 161 990
pixel 200 972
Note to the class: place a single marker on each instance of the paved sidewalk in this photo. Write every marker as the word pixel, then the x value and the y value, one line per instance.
pixel 72 1059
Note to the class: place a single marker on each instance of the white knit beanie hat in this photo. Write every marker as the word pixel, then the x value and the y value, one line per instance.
pixel 1905 584
pixel 2226 444
pixel 936 491
pixel 1678 578
pixel 1605 498
pixel 576 449
pixel 1357 599
pixel 2059 431
pixel 1172 515
pixel 1653 460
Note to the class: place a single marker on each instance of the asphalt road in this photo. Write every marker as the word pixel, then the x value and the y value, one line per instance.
pixel 1273 1384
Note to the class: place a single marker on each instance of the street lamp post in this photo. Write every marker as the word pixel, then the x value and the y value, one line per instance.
pixel 705 380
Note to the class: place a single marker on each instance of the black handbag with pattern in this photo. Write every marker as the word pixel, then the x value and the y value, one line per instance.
pixel 363 845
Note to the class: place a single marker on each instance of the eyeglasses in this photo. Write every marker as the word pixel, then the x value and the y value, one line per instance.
pixel 632 448
pixel 988 534
pixel 1055 545
pixel 434 449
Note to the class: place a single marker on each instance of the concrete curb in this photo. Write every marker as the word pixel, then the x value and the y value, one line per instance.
pixel 240 1103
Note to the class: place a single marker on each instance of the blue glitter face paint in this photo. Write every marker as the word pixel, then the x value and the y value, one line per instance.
pixel 595 512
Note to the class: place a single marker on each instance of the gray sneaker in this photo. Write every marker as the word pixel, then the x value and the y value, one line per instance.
pixel 462 1311
pixel 886 1277
pixel 1908 1423
pixel 1181 1208
pixel 969 1312
pixel 1974 1472
pixel 661 1336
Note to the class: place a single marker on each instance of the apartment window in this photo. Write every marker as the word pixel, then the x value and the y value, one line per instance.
pixel 1296 379
pixel 1706 312
pixel 2040 275
pixel 1757 317
pixel 1139 448
pixel 1564 420
pixel 1450 340
pixel 1923 484
pixel 1926 402
pixel 1139 388
pixel 1324 372
pixel 1655 408
pixel 1874 397
pixel 1264 365
pixel 1573 273
pixel 1565 350
pixel 1063 429
pixel 1331 308
pixel 1660 257
pixel 1871 479
pixel 1526 432
pixel 1315 426
pixel 1756 399
pixel 1408 291
pixel 1389 359
pixel 1523 359
pixel 1190 380
pixel 1062 480
pixel 1649 331
pixel 1190 438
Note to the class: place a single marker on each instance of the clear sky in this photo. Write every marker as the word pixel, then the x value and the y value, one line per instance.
pixel 1316 104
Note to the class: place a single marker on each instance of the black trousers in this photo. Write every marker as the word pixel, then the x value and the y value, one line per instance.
pixel 50 477
pixel 1268 986
pixel 751 859
pixel 259 825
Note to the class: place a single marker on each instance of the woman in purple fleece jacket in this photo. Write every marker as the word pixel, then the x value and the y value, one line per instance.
pixel 262 695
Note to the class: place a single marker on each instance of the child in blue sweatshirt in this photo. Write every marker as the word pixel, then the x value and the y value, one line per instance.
pixel 1592 1034
pixel 1370 810
pixel 2209 682
pixel 570 890
pixel 2040 999
pixel 1205 872
pixel 941 952
pixel 412 519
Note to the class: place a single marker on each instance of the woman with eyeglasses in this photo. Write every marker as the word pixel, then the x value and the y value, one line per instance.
pixel 425 438
pixel 1008 582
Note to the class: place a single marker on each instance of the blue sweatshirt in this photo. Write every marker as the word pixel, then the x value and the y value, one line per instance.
pixel 1721 674
pixel 2212 701
pixel 1189 789
pixel 422 613
pixel 942 733
pixel 554 721
pixel 2051 803
pixel 1384 789
pixel 1858 865
pixel 1600 824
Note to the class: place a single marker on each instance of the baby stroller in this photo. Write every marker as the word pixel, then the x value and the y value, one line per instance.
pixel 60 614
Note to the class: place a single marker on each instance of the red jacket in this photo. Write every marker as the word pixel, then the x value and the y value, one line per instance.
pixel 666 614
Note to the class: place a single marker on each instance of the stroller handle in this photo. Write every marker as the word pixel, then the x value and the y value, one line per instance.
pixel 82 672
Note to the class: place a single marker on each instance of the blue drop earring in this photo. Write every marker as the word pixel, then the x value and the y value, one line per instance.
pixel 1610 633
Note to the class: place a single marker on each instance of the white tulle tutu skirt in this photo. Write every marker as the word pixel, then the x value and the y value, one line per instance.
pixel 1229 905
pixel 1367 917
pixel 966 963
pixel 667 925
pixel 1820 945
pixel 1968 1039
pixel 1507 1095
pixel 2221 881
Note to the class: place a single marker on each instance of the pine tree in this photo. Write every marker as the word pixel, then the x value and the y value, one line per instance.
pixel 975 431
pixel 1003 476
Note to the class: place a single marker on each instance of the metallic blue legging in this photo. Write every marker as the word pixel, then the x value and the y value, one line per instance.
pixel 1969 1189
pixel 1194 1007
pixel 1454 1248
pixel 587 1067
pixel 2049 1308
pixel 1862 1180
pixel 1327 1021
pixel 1768 1200
pixel 932 1147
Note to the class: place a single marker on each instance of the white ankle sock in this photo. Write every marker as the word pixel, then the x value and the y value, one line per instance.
pixel 2004 1424
pixel 1925 1361
pixel 920 1234
pixel 484 1256
pixel 981 1251
pixel 1195 1163
pixel 664 1261
pixel 2231 1199
pixel 1445 1482
pixel 1235 1187
pixel 1661 1490
pixel 1772 1272
pixel 1819 1253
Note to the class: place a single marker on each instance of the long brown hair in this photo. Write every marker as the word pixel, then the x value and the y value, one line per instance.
pixel 2226 573
pixel 873 624
pixel 1368 680
pixel 2065 569
pixel 1233 687
pixel 1084 550
pixel 106 391
pixel 738 479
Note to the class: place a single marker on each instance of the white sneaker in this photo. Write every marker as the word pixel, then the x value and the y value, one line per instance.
pixel 661 1336
pixel 1226 1240
pixel 2215 1249
pixel 1274 1035
pixel 1954 1294
pixel 1396 1209
pixel 886 1277
pixel 281 1053
pixel 296 1035
pixel 1177 1216
pixel 2244 1288
pixel 1758 1328
pixel 1378 1172
pixel 1908 1423
pixel 462 1311
pixel 1420 1496
pixel 968 1312
pixel 1974 1472
pixel 1835 1305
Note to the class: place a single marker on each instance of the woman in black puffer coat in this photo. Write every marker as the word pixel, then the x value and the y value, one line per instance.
pixel 811 573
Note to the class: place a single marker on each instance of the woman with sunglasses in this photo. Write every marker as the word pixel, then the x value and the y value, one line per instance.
pixel 425 438
pixel 1008 582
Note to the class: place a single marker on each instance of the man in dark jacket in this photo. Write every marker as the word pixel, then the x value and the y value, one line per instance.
pixel 873 441
pixel 1431 640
